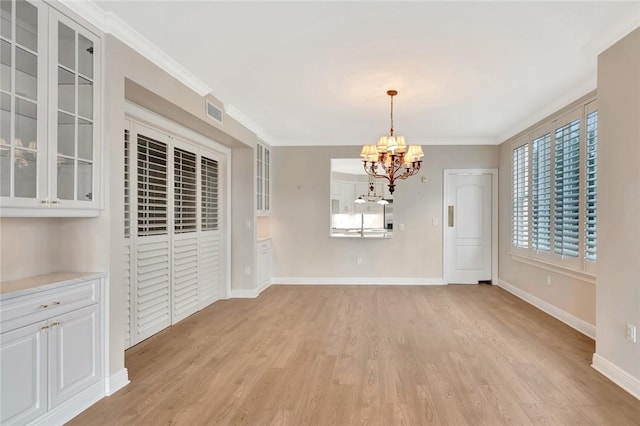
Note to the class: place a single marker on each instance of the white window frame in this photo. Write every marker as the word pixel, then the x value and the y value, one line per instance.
pixel 578 267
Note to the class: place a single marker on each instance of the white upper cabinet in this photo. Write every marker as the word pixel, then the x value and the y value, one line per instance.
pixel 50 138
pixel 263 179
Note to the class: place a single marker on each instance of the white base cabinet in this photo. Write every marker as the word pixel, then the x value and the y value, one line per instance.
pixel 265 264
pixel 52 350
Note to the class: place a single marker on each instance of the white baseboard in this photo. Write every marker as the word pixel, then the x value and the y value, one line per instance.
pixel 356 281
pixel 116 382
pixel 264 286
pixel 73 406
pixel 572 321
pixel 244 293
pixel 617 375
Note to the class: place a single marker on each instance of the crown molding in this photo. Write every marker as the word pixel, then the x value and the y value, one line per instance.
pixel 410 140
pixel 241 118
pixel 110 23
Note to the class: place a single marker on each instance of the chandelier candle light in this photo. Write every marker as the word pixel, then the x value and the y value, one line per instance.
pixel 391 158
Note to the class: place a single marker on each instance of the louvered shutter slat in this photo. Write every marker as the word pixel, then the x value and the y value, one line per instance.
pixel 520 213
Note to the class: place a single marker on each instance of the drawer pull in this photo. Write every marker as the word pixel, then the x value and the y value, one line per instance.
pixel 44 327
pixel 55 323
pixel 44 306
pixel 56 303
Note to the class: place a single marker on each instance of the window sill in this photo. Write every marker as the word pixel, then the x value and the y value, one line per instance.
pixel 562 270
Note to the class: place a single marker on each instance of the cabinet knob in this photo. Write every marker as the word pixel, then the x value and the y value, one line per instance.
pixel 55 323
pixel 44 327
pixel 55 303
pixel 44 306
pixel 45 201
pixel 55 202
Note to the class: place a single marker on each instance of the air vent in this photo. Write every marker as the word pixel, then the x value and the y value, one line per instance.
pixel 214 112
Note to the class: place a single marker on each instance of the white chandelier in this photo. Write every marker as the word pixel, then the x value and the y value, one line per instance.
pixel 391 158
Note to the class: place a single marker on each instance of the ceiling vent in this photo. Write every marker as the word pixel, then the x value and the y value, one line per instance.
pixel 214 112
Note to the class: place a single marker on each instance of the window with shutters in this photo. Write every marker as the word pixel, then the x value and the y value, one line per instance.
pixel 185 191
pixel 209 196
pixel 152 187
pixel 520 216
pixel 555 174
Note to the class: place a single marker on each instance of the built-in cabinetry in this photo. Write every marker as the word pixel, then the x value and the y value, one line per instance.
pixel 264 263
pixel 263 179
pixel 52 347
pixel 50 110
pixel 344 193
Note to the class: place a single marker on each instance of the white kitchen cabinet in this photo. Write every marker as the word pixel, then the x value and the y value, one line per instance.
pixel 348 194
pixel 265 263
pixel 74 342
pixel 52 347
pixel 263 179
pixel 50 105
pixel 23 369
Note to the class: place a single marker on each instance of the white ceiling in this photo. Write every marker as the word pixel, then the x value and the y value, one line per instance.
pixel 316 73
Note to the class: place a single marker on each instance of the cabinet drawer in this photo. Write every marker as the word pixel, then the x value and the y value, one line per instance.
pixel 24 310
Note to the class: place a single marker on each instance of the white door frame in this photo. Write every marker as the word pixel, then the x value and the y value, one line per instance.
pixel 494 218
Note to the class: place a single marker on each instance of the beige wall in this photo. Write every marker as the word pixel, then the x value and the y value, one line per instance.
pixel 618 283
pixel 300 220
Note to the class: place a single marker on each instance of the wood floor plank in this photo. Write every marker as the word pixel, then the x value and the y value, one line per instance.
pixel 366 355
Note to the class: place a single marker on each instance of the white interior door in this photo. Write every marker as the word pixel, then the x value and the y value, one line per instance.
pixel 469 225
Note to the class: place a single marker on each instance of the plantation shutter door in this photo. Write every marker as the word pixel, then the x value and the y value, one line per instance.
pixel 185 237
pixel 209 242
pixel 152 251
pixel 566 225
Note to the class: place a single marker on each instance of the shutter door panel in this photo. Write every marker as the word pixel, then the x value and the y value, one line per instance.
pixel 127 295
pixel 185 277
pixel 152 290
pixel 209 263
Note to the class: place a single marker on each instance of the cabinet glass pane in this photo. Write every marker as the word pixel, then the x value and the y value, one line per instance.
pixel 65 178
pixel 85 98
pixel 25 168
pixel 26 25
pixel 66 140
pixel 26 124
pixel 66 46
pixel 5 150
pixel 5 171
pixel 5 65
pixel 26 74
pixel 5 120
pixel 85 139
pixel 5 19
pixel 85 181
pixel 85 56
pixel 66 90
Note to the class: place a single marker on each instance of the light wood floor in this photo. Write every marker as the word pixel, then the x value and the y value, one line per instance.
pixel 456 355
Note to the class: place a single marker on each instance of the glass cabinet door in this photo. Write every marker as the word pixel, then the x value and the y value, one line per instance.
pixel 75 95
pixel 22 94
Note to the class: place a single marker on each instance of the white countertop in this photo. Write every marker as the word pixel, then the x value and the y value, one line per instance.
pixel 27 285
